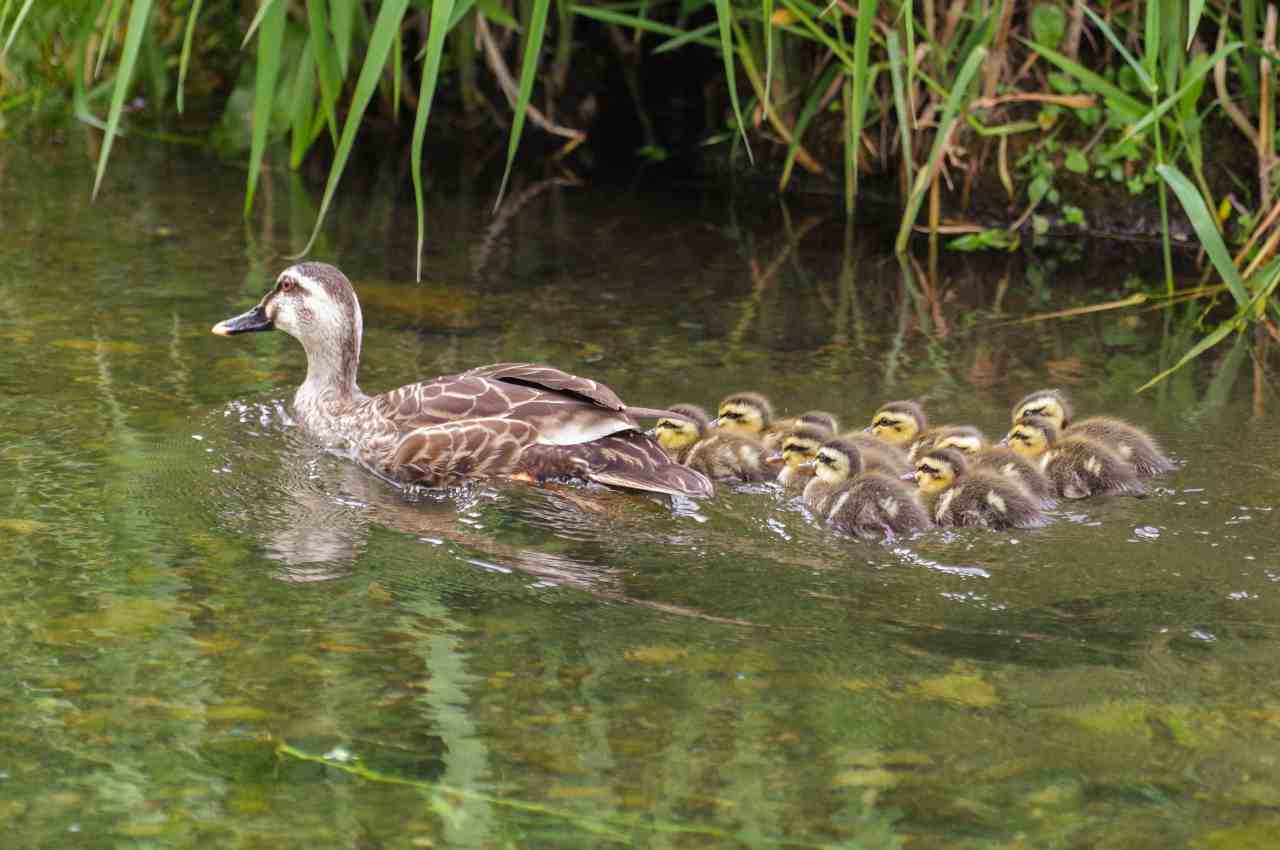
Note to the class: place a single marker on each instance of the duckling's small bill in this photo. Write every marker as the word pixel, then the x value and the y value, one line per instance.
pixel 253 320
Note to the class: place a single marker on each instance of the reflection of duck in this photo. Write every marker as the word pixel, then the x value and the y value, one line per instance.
pixel 867 504
pixel 1129 441
pixel 959 494
pixel 1075 465
pixel 519 419
pixel 720 456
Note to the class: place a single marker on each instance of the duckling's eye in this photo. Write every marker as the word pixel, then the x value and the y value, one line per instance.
pixel 826 459
pixel 734 416
pixel 288 285
pixel 928 470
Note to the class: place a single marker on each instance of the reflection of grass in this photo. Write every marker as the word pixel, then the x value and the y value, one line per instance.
pixel 614 827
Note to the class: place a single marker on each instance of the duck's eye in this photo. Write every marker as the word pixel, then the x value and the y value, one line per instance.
pixel 826 459
pixel 734 416
pixel 288 285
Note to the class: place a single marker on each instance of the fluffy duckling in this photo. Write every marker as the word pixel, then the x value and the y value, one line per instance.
pixel 798 450
pixel 965 438
pixel 1075 465
pixel 820 419
pixel 898 423
pixel 1127 440
pixel 722 456
pixel 751 415
pixel 957 493
pixel 866 504
pixel 1024 471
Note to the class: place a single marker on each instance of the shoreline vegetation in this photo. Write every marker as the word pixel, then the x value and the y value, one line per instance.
pixel 1019 119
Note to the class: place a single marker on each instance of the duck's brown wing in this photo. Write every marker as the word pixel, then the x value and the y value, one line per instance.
pixel 631 460
pixel 475 448
pixel 549 378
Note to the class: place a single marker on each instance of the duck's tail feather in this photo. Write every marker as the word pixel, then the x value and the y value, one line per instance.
pixel 653 413
pixel 629 459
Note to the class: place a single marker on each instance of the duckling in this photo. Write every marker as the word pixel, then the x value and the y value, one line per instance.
pixel 877 455
pixel 751 415
pixel 1126 439
pixel 798 449
pixel 726 457
pixel 1010 464
pixel 866 504
pixel 965 438
pixel 898 422
pixel 957 493
pixel 818 419
pixel 1076 466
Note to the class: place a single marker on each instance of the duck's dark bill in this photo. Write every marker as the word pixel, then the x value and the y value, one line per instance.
pixel 254 320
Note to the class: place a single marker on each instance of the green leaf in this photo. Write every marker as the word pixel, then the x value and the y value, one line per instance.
pixel 1194 79
pixel 258 17
pixel 303 107
pixel 185 58
pixel 325 61
pixel 1048 24
pixel 724 16
pixel 1093 82
pixel 264 91
pixel 900 104
pixel 1206 228
pixel 1144 79
pixel 108 33
pixel 528 71
pixel 1194 9
pixel 342 14
pixel 375 58
pixel 139 13
pixel 679 37
pixel 17 25
pixel 1077 161
pixel 441 10
pixel 496 12
pixel 1211 339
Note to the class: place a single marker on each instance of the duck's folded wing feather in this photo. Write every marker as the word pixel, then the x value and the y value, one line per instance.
pixel 549 378
pixel 440 454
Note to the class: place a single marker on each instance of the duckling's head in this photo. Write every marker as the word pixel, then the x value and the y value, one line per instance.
pixel 315 304
pixel 938 469
pixel 964 438
pixel 1032 436
pixel 1051 404
pixel 677 434
pixel 745 413
pixel 820 419
pixel 837 461
pixel 802 444
pixel 898 422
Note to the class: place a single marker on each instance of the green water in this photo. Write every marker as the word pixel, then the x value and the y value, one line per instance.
pixel 195 603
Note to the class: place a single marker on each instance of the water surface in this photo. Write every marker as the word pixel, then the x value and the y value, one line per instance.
pixel 218 635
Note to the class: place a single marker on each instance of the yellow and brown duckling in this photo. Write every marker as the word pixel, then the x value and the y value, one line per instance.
pixel 720 456
pixel 867 504
pixel 1126 439
pixel 751 415
pixel 1022 470
pixel 802 444
pixel 964 438
pixel 903 424
pixel 1076 465
pixel 957 493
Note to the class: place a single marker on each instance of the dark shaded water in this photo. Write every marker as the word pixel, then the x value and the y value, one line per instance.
pixel 196 604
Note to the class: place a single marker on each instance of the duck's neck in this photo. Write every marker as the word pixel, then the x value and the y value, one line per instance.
pixel 331 371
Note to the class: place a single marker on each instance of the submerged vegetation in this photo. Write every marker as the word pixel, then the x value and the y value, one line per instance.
pixel 1019 119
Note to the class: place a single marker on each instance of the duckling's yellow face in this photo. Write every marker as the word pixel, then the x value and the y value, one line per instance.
pixel 798 449
pixel 970 444
pixel 1047 405
pixel 832 466
pixel 1028 440
pixel 896 429
pixel 742 417
pixel 676 434
pixel 933 475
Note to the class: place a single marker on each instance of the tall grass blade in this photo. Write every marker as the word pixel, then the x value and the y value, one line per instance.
pixel 724 16
pixel 816 93
pixel 678 38
pixel 861 85
pixel 1194 10
pixel 1194 77
pixel 17 25
pixel 528 71
pixel 1206 228
pixel 766 12
pixel 264 89
pixel 184 61
pixel 326 65
pixel 900 105
pixel 139 13
pixel 697 35
pixel 342 15
pixel 1211 339
pixel 950 115
pixel 303 108
pixel 1148 84
pixel 108 33
pixel 1095 83
pixel 375 59
pixel 258 17
pixel 441 11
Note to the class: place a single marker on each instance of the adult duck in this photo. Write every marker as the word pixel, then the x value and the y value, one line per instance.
pixel 517 420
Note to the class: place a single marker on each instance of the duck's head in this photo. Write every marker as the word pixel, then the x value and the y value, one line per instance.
pixel 677 434
pixel 820 419
pixel 837 461
pixel 964 438
pixel 802 444
pixel 898 422
pixel 315 304
pixel 744 413
pixel 1032 436
pixel 938 469
pixel 1050 404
